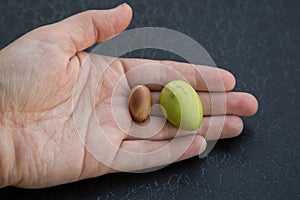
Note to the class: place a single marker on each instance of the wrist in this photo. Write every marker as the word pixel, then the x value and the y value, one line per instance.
pixel 8 171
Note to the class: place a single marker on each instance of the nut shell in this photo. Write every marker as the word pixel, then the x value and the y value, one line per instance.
pixel 140 103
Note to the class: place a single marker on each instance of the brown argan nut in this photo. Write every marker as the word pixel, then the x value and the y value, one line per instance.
pixel 140 103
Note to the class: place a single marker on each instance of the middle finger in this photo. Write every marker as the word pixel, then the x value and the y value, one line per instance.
pixel 221 103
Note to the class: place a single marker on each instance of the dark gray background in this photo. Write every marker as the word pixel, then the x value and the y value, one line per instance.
pixel 259 41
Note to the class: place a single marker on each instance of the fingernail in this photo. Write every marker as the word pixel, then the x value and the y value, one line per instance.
pixel 202 147
pixel 122 5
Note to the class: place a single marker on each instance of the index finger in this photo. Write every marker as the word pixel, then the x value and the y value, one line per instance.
pixel 202 78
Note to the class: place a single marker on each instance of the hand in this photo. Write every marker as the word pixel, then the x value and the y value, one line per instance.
pixel 39 142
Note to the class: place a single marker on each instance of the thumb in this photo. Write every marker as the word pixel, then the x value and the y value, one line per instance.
pixel 82 30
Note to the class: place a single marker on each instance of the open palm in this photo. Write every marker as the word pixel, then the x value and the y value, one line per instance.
pixel 51 108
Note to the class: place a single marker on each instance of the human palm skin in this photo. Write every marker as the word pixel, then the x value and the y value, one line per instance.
pixel 39 141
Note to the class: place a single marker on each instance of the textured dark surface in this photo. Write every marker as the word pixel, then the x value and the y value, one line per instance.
pixel 259 41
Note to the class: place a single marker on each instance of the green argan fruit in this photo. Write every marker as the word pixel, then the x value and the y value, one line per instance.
pixel 181 105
